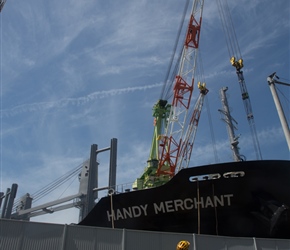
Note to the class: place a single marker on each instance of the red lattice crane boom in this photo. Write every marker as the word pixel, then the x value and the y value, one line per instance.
pixel 172 147
pixel 176 121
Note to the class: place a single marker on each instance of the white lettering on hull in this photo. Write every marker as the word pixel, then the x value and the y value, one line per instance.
pixel 171 206
pixel 125 213
pixel 189 203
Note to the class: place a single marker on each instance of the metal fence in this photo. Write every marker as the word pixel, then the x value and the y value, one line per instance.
pixel 22 235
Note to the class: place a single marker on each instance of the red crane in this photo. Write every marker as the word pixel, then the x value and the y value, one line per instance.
pixel 175 143
pixel 175 122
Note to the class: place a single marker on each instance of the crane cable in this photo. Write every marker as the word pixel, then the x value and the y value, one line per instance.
pixel 51 186
pixel 200 78
pixel 214 146
pixel 228 29
pixel 285 100
pixel 235 53
pixel 166 91
pixel 55 184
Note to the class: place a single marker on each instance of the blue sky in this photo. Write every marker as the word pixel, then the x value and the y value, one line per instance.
pixel 77 73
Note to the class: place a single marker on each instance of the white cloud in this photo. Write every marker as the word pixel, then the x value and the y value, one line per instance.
pixel 39 107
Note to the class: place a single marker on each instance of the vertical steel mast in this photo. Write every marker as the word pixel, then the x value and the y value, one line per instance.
pixel 228 119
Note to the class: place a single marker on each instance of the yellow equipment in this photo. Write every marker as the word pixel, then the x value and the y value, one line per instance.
pixel 182 245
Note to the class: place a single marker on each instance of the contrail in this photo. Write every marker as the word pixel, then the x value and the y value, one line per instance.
pixel 40 106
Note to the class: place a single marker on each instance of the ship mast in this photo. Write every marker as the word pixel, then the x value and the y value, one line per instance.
pixel 229 120
pixel 271 81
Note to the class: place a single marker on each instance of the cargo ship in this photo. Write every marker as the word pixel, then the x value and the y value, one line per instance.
pixel 244 199
pixel 241 198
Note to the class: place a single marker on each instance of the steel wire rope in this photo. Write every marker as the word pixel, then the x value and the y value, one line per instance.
pixel 55 184
pixel 234 51
pixel 216 158
pixel 254 135
pixel 192 105
pixel 112 210
pixel 237 51
pixel 228 29
pixel 285 100
pixel 67 187
pixel 169 92
pixel 198 206
pixel 201 70
pixel 200 78
pixel 282 93
pixel 51 186
pixel 235 38
pixel 284 79
pixel 168 81
pixel 224 27
pixel 46 190
pixel 215 209
pixel 212 134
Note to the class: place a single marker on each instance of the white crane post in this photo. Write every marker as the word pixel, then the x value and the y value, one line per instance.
pixel 285 127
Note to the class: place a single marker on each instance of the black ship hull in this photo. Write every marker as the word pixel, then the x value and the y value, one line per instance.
pixel 244 199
